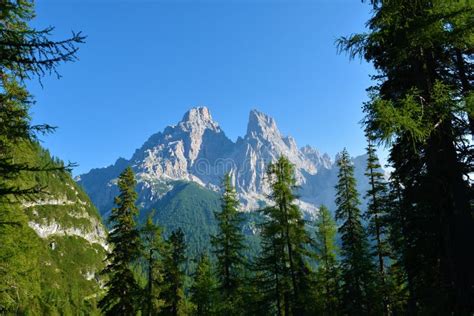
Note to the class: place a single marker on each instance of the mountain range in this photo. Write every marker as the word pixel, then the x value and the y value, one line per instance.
pixel 196 150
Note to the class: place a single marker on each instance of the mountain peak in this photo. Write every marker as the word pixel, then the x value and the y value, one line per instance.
pixel 261 124
pixel 200 114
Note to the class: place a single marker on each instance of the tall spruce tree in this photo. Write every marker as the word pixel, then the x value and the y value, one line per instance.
pixel 204 288
pixel 377 215
pixel 327 274
pixel 422 107
pixel 122 288
pixel 153 253
pixel 400 283
pixel 271 278
pixel 228 247
pixel 173 292
pixel 282 262
pixel 356 267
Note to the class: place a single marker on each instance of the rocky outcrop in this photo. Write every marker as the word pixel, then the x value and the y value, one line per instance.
pixel 89 227
pixel 95 236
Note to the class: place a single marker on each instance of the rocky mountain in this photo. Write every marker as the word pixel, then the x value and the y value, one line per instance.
pixel 197 150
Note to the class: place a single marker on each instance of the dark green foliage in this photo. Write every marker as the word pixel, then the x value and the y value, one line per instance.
pixel 153 253
pixel 28 174
pixel 422 107
pixel 35 277
pixel 282 272
pixel 228 246
pixel 327 275
pixel 378 216
pixel 121 297
pixel 356 266
pixel 204 289
pixel 190 207
pixel 173 291
pixel 24 53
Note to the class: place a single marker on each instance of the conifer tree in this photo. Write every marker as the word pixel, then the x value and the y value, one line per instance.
pixel 25 53
pixel 122 288
pixel 204 288
pixel 282 261
pixel 421 106
pixel 153 252
pixel 173 292
pixel 229 246
pixel 327 274
pixel 356 266
pixel 271 278
pixel 377 215
pixel 400 282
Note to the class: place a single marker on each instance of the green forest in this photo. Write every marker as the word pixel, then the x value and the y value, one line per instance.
pixel 409 251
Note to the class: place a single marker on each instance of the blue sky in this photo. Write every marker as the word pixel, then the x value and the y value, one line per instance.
pixel 145 63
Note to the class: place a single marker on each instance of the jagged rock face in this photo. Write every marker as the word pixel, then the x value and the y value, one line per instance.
pixel 196 149
pixel 175 153
pixel 262 145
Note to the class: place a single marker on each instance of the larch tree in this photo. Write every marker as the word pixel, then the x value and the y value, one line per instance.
pixel 327 273
pixel 122 288
pixel 422 107
pixel 25 53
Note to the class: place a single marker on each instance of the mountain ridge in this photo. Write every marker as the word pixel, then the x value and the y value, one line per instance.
pixel 197 150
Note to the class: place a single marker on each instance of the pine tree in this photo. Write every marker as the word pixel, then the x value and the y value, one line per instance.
pixel 228 247
pixel 284 271
pixel 122 288
pixel 377 215
pixel 204 288
pixel 173 292
pixel 153 252
pixel 327 274
pixel 356 266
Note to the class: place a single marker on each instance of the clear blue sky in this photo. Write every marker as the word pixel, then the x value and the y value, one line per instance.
pixel 147 62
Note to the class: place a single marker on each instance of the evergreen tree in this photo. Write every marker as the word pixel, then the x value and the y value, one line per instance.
pixel 356 266
pixel 327 274
pixel 377 215
pixel 422 107
pixel 203 289
pixel 24 53
pixel 228 247
pixel 153 251
pixel 122 288
pixel 399 283
pixel 173 292
pixel 282 263
pixel 271 279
